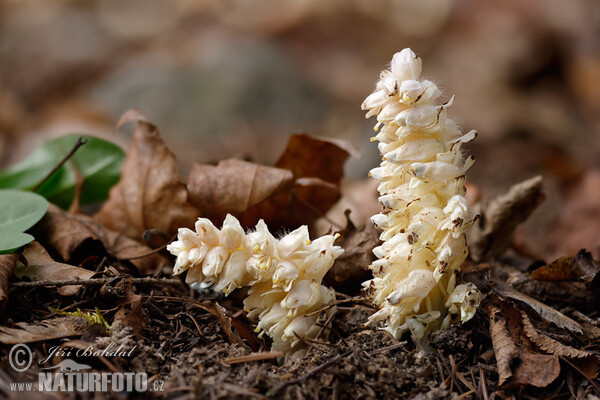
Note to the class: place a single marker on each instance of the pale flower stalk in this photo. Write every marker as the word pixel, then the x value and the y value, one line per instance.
pixel 425 214
pixel 284 275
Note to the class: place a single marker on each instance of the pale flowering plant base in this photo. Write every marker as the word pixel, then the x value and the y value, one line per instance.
pixel 283 276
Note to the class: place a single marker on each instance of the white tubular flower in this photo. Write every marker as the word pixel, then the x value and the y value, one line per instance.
pixel 284 275
pixel 425 214
pixel 287 304
pixel 211 256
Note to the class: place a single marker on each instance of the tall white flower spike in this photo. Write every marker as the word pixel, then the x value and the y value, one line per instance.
pixel 284 276
pixel 425 214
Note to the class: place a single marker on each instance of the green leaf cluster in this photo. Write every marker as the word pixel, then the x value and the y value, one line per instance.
pixel 98 163
pixel 19 211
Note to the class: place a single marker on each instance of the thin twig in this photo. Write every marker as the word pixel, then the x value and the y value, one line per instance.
pixel 149 253
pixel 576 368
pixel 266 355
pixel 92 282
pixel 387 348
pixel 80 142
pixel 484 391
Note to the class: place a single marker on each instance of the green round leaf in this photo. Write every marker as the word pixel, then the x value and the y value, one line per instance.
pixel 11 241
pixel 98 162
pixel 20 210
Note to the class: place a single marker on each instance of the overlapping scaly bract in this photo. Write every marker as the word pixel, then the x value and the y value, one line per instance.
pixel 283 275
pixel 425 214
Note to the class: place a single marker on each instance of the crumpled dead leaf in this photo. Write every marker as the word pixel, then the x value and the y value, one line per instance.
pixel 350 269
pixel 70 233
pixel 491 235
pixel 149 195
pixel 41 267
pixel 532 368
pixel 236 187
pixel 54 328
pixel 560 270
pixel 547 344
pixel 582 267
pixel 301 187
pixel 314 157
pixel 546 312
pixel 505 349
pixel 360 197
pixel 7 267
pixel 130 313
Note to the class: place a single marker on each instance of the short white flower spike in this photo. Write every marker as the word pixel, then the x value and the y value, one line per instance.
pixel 425 214
pixel 284 276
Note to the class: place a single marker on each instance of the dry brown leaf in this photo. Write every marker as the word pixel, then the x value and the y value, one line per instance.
pixel 538 370
pixel 350 269
pixel 72 233
pixel 549 345
pixel 235 186
pixel 491 235
pixel 546 312
pixel 514 359
pixel 582 267
pixel 587 270
pixel 313 157
pixel 504 347
pixel 130 313
pixel 54 328
pixel 7 267
pixel 41 267
pixel 360 197
pixel 557 271
pixel 149 195
pixel 300 188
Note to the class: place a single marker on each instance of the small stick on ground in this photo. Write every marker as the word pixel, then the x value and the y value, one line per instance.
pixel 266 355
pixel 80 142
pixel 388 348
pixel 92 282
pixel 576 368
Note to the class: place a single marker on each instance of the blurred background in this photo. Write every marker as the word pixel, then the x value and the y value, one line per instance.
pixel 234 78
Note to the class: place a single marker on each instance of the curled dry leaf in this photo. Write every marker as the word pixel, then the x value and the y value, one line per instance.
pixel 71 233
pixel 313 157
pixel 149 195
pixel 54 328
pixel 559 270
pixel 41 267
pixel 538 370
pixel 547 344
pixel 582 267
pixel 130 313
pixel 239 188
pixel 544 311
pixel 360 197
pixel 531 368
pixel 350 269
pixel 7 267
pixel 300 188
pixel 491 235
pixel 504 347
pixel 587 270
